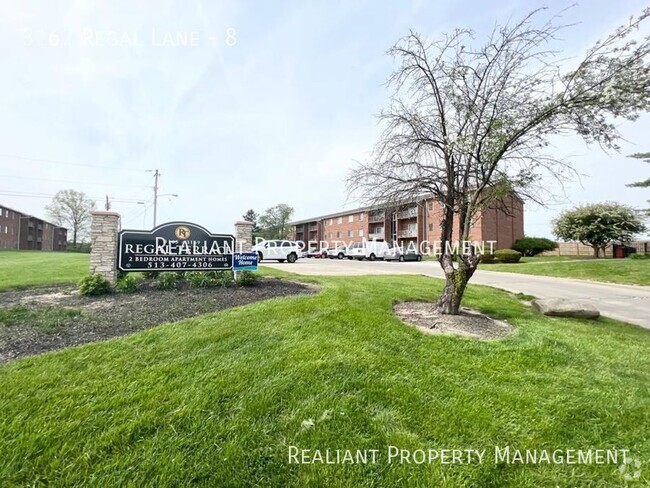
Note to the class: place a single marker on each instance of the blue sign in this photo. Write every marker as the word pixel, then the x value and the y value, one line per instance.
pixel 245 261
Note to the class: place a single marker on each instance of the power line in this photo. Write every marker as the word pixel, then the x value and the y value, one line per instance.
pixel 12 193
pixel 52 161
pixel 71 181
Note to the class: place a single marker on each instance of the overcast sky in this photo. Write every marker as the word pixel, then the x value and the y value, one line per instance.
pixel 276 114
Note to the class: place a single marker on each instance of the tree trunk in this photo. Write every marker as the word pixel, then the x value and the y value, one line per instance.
pixel 74 238
pixel 456 282
pixel 596 251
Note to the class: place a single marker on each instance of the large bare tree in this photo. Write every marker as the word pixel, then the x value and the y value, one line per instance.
pixel 470 124
pixel 71 208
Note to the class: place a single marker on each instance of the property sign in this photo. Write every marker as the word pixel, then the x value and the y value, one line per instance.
pixel 245 261
pixel 175 246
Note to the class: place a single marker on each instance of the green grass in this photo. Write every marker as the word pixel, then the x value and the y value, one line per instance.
pixel 624 271
pixel 22 269
pixel 217 400
pixel 46 318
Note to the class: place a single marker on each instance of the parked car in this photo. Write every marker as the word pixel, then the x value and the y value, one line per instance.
pixel 317 253
pixel 398 253
pixel 278 250
pixel 367 250
pixel 337 252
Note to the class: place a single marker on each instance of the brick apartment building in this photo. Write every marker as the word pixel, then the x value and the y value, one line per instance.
pixel 22 231
pixel 414 222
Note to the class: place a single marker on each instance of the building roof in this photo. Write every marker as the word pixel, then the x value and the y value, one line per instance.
pixel 2 206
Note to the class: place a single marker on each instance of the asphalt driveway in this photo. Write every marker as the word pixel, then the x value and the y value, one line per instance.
pixel 623 302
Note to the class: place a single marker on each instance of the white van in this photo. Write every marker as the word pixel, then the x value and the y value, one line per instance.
pixel 278 250
pixel 368 249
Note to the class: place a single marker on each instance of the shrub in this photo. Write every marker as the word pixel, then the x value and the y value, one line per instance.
pixel 151 275
pixel 128 284
pixel 94 284
pixel 247 278
pixel 507 255
pixel 222 278
pixel 531 246
pixel 488 259
pixel 199 279
pixel 167 281
pixel 639 256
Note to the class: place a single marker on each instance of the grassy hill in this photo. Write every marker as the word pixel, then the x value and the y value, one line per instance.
pixel 21 269
pixel 218 400
pixel 623 271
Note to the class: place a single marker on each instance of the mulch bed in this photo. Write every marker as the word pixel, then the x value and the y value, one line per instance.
pixel 121 313
pixel 468 323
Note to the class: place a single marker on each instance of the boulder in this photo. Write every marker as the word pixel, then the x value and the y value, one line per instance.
pixel 561 307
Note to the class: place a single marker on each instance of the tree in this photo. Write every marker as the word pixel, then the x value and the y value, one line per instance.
pixel 645 183
pixel 274 222
pixel 251 216
pixel 598 225
pixel 469 124
pixel 646 158
pixel 71 208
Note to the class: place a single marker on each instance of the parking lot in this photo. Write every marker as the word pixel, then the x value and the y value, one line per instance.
pixel 333 267
pixel 622 302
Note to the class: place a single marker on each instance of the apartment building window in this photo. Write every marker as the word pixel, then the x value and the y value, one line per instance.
pixel 350 233
pixel 360 232
pixel 331 235
pixel 331 222
pixel 350 218
pixel 430 226
pixel 430 205
pixel 7 213
pixel 339 220
pixel 361 217
pixel 6 230
pixel 338 235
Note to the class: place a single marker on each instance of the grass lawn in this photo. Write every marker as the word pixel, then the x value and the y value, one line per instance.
pixel 217 400
pixel 22 269
pixel 625 271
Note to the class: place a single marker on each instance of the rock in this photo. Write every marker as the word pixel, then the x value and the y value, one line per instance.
pixel 561 307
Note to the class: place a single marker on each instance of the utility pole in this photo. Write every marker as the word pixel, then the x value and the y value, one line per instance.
pixel 156 175
pixel 107 205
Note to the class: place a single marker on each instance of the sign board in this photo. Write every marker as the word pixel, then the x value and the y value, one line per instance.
pixel 245 261
pixel 175 246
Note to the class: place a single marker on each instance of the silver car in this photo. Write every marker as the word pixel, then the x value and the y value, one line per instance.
pixel 337 252
pixel 397 253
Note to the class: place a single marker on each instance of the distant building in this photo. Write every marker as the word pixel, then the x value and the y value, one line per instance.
pixel 415 222
pixel 22 231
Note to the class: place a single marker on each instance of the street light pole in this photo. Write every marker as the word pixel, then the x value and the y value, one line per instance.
pixel 155 197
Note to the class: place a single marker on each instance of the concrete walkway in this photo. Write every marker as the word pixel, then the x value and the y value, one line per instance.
pixel 622 302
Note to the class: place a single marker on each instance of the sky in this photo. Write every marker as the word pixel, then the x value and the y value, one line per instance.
pixel 240 104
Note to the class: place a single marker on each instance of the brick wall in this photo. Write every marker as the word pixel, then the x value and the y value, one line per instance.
pixel 9 221
pixel 340 228
pixel 504 225
pixel 496 224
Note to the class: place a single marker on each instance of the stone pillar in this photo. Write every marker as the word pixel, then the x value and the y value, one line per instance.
pixel 244 235
pixel 103 244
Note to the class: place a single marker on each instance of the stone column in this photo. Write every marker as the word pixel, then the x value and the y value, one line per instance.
pixel 103 244
pixel 244 235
